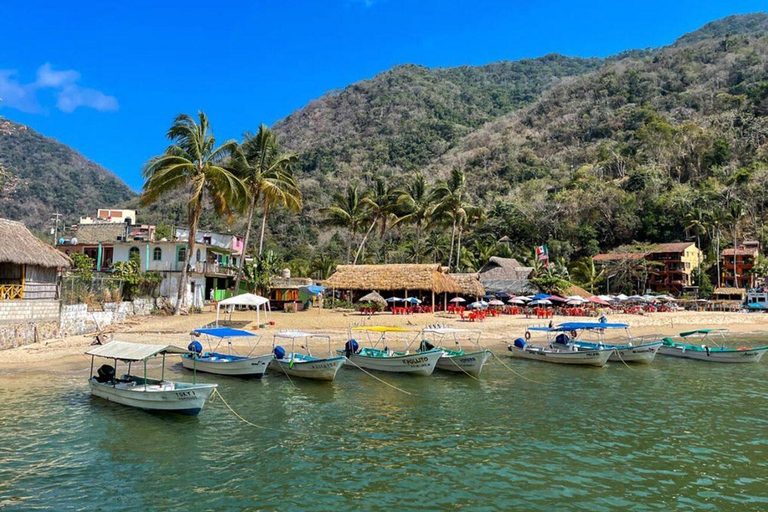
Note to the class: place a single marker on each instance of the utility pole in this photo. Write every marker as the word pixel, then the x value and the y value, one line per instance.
pixel 55 219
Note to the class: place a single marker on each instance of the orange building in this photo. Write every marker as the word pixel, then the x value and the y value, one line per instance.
pixel 743 257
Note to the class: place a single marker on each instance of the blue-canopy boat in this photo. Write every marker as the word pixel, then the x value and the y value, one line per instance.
pixel 711 349
pixel 221 363
pixel 296 364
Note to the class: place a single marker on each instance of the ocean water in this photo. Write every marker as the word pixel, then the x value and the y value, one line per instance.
pixel 676 435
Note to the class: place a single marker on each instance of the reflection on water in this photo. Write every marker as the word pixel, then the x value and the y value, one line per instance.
pixel 677 434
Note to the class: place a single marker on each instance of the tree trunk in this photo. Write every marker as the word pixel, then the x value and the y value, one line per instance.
pixel 717 259
pixel 251 208
pixel 458 250
pixel 453 239
pixel 735 278
pixel 263 225
pixel 365 238
pixel 193 222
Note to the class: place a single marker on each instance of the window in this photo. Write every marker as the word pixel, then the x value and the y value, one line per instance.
pixel 157 254
pixel 197 255
pixel 133 252
pixel 182 257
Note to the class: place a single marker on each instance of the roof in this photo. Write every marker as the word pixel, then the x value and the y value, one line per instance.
pixel 18 245
pixel 412 277
pixel 672 247
pixel 469 283
pixel 741 251
pixel 290 282
pixel 223 332
pixel 729 291
pixel 615 256
pixel 126 351
pixel 373 297
pixel 503 269
pixel 577 290
pixel 102 232
pixel 510 286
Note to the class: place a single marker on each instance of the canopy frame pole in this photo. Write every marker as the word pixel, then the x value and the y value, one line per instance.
pixel 194 369
pixel 145 374
pixel 92 358
pixel 129 367
pixel 114 382
pixel 162 371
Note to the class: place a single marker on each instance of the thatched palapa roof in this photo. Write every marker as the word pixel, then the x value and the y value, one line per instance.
pixel 373 297
pixel 18 245
pixel 429 277
pixel 470 284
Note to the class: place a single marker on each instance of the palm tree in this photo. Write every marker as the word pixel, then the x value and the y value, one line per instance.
pixel 735 214
pixel 348 211
pixel 269 177
pixel 415 203
pixel 380 201
pixel 587 274
pixel 195 164
pixel 449 207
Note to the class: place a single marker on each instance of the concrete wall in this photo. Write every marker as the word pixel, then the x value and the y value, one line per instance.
pixel 76 319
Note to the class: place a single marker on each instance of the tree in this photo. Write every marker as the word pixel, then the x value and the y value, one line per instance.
pixel 587 274
pixel 348 211
pixel 193 163
pixel 259 274
pixel 414 202
pixel 381 202
pixel 268 176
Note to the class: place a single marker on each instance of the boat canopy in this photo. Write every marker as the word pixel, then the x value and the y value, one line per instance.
pixel 380 328
pixel 701 331
pixel 580 326
pixel 223 332
pixel 127 351
pixel 298 334
pixel 441 329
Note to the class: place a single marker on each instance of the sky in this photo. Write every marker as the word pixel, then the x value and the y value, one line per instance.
pixel 108 78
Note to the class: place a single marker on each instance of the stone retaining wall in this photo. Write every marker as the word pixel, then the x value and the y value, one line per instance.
pixel 30 321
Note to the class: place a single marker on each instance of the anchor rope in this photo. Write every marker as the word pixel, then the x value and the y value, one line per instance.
pixel 513 371
pixel 462 369
pixel 622 359
pixel 380 380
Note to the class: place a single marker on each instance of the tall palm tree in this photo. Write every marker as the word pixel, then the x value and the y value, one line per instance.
pixel 348 211
pixel 381 202
pixel 195 164
pixel 587 274
pixel 450 208
pixel 414 204
pixel 268 174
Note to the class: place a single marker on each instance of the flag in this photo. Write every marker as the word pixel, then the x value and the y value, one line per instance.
pixel 542 254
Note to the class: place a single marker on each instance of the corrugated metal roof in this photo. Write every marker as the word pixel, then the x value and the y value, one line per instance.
pixel 127 351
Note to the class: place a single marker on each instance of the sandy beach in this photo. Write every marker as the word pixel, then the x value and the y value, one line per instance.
pixel 66 354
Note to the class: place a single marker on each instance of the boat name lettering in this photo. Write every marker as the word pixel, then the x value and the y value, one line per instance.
pixel 417 360
pixel 183 394
pixel 467 360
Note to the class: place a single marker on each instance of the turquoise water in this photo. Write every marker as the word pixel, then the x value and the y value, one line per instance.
pixel 675 435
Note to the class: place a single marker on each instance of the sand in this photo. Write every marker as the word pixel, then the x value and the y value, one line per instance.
pixel 67 354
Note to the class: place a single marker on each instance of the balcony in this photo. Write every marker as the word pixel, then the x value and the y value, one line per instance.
pixel 11 291
pixel 208 267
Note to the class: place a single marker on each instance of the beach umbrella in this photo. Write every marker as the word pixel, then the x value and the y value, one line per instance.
pixel 607 298
pixel 541 302
pixel 395 299
pixel 412 300
pixel 576 302
pixel 556 298
pixel 373 297
pixel 540 296
pixel 650 298
pixel 598 300
pixel 575 297
pixel 516 301
pixel 621 297
pixel 635 298
pixel 488 297
pixel 524 298
pixel 313 289
pixel 475 305
pixel 503 295
pixel 457 299
pixel 495 302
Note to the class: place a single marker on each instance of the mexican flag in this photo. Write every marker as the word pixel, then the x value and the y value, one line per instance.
pixel 542 254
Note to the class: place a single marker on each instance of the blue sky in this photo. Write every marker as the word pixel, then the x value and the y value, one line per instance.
pixel 107 78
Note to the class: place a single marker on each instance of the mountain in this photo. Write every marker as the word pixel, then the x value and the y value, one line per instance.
pixel 53 178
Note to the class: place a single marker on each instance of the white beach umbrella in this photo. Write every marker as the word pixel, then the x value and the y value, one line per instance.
pixel 541 302
pixel 495 302
pixel 395 299
pixel 457 299
pixel 576 302
pixel 621 297
pixel 516 301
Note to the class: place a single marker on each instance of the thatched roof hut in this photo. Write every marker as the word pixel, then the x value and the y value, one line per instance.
pixel 470 284
pixel 20 247
pixel 373 297
pixel 413 277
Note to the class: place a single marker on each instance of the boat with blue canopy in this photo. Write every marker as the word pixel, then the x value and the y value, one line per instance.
pixel 297 364
pixel 378 356
pixel 634 350
pixel 221 363
pixel 712 348
pixel 144 392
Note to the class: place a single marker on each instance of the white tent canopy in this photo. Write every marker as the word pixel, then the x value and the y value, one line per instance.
pixel 245 299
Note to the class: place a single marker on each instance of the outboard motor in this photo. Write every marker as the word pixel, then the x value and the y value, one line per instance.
pixel 106 373
pixel 351 347
pixel 425 346
pixel 520 343
pixel 195 347
pixel 279 352
pixel 562 339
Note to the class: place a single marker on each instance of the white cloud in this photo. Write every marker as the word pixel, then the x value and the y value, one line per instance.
pixel 62 83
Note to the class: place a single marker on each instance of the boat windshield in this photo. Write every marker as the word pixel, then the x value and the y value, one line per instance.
pixel 717 335
pixel 444 335
pixel 382 331
pixel 226 334
pixel 300 335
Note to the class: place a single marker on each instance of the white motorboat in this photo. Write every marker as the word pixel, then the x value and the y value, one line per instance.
pixel 718 353
pixel 456 359
pixel 633 350
pixel 386 360
pixel 143 392
pixel 296 364
pixel 220 363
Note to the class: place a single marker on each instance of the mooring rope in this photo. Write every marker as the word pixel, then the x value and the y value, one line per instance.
pixel 462 369
pixel 378 379
pixel 622 359
pixel 513 371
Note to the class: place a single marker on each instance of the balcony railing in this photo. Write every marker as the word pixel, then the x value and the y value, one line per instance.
pixel 11 291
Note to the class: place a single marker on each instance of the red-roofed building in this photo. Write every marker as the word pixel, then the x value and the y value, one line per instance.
pixel 743 257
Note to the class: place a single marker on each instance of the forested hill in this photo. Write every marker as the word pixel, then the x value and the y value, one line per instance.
pixel 52 177
pixel 403 118
pixel 648 149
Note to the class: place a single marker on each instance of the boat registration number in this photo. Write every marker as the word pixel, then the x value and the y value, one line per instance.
pixel 185 394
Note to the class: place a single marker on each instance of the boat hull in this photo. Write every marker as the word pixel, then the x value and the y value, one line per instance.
pixel 579 357
pixel 641 354
pixel 422 363
pixel 716 356
pixel 246 367
pixel 165 397
pixel 317 369
pixel 471 363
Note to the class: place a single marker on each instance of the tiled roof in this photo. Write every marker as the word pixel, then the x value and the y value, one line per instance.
pixel 672 247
